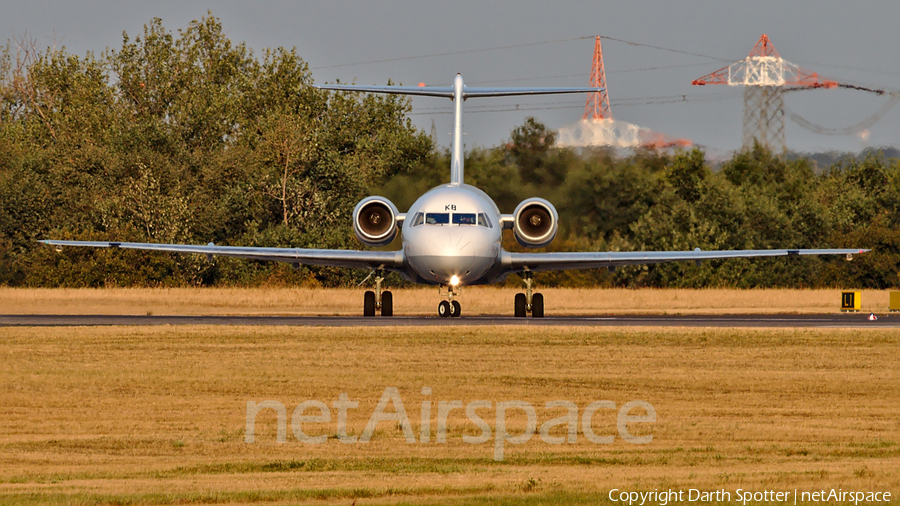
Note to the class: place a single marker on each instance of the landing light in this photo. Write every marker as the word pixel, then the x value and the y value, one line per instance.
pixel 454 280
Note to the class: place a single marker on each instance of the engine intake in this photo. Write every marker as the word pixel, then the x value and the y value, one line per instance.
pixel 535 223
pixel 375 221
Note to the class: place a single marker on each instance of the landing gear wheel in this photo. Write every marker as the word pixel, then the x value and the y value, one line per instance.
pixel 537 305
pixel 369 303
pixel 455 308
pixel 387 304
pixel 520 305
pixel 444 309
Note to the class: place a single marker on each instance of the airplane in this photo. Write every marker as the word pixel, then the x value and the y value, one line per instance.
pixel 451 236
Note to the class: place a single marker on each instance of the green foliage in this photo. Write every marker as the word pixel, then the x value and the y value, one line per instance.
pixel 188 137
pixel 183 137
pixel 658 201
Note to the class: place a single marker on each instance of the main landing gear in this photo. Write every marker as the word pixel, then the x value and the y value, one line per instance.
pixel 449 307
pixel 383 300
pixel 529 302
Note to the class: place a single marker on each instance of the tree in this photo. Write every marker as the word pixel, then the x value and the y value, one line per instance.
pixel 528 147
pixel 183 137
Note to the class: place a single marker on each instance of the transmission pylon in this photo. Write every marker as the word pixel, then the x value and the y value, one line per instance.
pixel 597 105
pixel 765 76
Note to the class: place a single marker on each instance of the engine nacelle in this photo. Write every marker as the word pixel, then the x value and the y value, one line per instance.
pixel 535 223
pixel 375 221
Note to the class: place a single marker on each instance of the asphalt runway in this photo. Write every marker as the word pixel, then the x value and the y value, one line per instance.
pixel 854 320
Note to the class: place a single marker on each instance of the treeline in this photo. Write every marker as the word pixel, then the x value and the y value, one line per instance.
pixel 676 201
pixel 190 138
pixel 183 138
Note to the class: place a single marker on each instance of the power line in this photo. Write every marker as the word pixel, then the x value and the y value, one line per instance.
pixel 512 46
pixel 628 102
pixel 626 71
pixel 661 67
pixel 495 81
pixel 844 67
pixel 630 43
pixel 450 53
pixel 852 129
pixel 682 97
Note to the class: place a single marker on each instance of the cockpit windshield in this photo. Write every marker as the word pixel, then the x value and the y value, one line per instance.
pixel 479 219
pixel 463 218
pixel 437 218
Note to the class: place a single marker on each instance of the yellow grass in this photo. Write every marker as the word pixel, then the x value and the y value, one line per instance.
pixel 143 415
pixel 475 300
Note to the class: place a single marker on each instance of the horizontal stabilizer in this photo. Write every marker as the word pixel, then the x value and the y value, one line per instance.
pixel 447 91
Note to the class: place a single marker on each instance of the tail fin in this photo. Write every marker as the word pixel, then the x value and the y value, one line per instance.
pixel 458 93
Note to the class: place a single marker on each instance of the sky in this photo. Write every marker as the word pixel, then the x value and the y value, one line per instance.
pixel 544 44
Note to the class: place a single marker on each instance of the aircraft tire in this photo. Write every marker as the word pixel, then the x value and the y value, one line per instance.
pixel 369 303
pixel 537 305
pixel 387 303
pixel 455 309
pixel 520 305
pixel 444 309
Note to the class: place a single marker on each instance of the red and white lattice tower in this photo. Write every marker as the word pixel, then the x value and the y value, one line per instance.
pixel 597 106
pixel 598 128
pixel 765 77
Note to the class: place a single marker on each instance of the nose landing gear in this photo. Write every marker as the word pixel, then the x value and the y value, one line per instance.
pixel 449 307
pixel 529 302
pixel 379 299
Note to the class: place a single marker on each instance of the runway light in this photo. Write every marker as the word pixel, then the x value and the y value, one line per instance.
pixel 454 280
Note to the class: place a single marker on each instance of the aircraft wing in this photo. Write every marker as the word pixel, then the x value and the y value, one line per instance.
pixel 388 260
pixel 590 260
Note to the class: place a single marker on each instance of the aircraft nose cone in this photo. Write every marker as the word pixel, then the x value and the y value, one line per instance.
pixel 447 253
pixel 443 269
pixel 455 244
pixel 439 241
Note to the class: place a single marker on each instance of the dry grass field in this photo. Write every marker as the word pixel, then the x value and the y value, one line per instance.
pixel 157 415
pixel 475 300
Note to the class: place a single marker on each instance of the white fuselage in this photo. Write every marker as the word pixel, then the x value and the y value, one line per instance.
pixel 453 230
